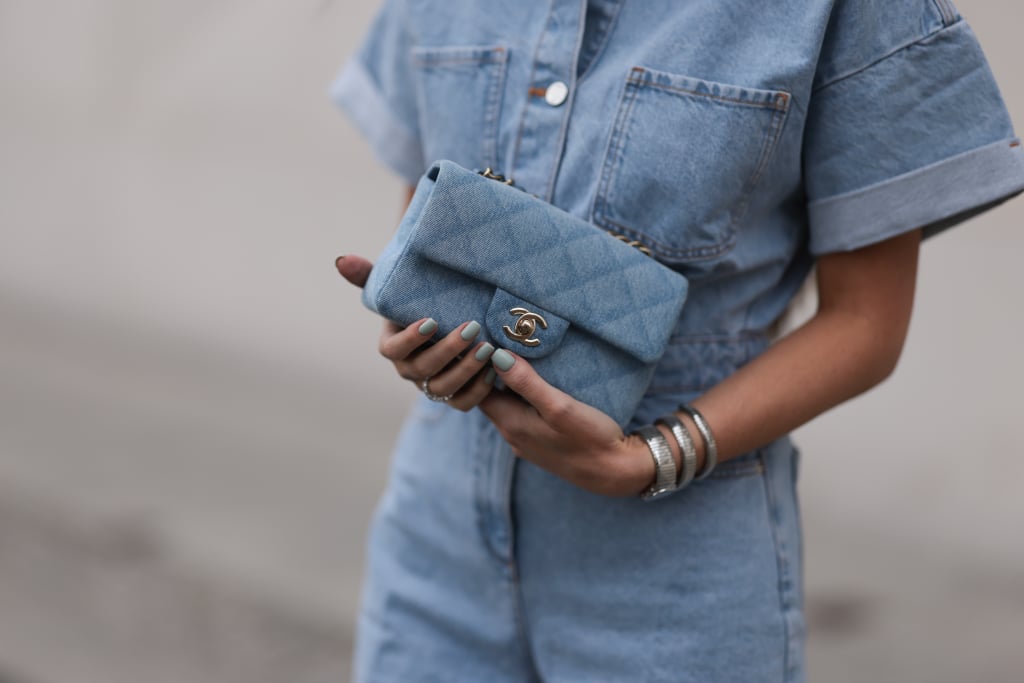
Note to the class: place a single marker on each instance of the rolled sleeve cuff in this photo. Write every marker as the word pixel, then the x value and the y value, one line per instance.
pixel 935 197
pixel 356 93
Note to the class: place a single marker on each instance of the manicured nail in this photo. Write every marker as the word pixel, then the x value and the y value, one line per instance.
pixel 428 326
pixel 471 331
pixel 484 352
pixel 489 377
pixel 503 360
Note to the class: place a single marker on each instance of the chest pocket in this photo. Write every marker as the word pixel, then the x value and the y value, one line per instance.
pixel 459 91
pixel 683 160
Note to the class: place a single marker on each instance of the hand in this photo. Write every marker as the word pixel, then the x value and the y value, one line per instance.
pixel 564 436
pixel 464 379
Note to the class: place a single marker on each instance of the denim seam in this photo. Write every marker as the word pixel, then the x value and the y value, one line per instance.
pixel 782 566
pixel 739 470
pixel 612 23
pixel 613 150
pixel 515 585
pixel 947 10
pixel 745 336
pixel 896 50
pixel 771 139
pixel 563 128
pixel 426 56
pixel 402 256
pixel 492 113
pixel 773 104
pixel 479 489
pixel 518 609
pixel 768 150
pixel 526 102
pixel 428 63
pixel 868 189
pixel 835 210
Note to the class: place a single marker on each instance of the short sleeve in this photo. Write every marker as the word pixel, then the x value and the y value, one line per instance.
pixel 906 127
pixel 375 88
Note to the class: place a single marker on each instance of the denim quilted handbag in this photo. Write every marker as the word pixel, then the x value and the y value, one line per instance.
pixel 590 312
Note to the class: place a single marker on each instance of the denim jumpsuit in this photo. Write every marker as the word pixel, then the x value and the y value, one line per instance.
pixel 738 140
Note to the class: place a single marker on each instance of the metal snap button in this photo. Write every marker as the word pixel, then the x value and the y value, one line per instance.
pixel 556 93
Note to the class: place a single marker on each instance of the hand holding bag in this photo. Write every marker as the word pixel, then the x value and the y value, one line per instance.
pixel 591 313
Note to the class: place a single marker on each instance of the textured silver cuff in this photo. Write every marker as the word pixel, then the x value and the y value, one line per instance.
pixel 687 448
pixel 664 463
pixel 710 447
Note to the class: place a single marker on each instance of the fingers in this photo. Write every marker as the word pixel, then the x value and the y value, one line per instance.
pixel 453 376
pixel 354 268
pixel 396 344
pixel 517 421
pixel 414 361
pixel 555 406
pixel 470 395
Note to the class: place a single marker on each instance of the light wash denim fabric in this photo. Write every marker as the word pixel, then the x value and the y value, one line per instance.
pixel 738 140
pixel 471 248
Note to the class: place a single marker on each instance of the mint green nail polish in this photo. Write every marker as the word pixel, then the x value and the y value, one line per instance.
pixel 471 331
pixel 484 352
pixel 429 326
pixel 503 360
pixel 489 377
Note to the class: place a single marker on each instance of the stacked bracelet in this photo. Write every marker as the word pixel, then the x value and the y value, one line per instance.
pixel 666 480
pixel 664 464
pixel 686 447
pixel 710 447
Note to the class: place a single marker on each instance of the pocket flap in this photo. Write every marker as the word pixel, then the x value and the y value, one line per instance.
pixel 524 327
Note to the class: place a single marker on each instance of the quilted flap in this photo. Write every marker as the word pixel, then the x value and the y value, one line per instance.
pixel 543 255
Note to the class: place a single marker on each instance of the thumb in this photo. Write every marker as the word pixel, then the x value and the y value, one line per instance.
pixel 554 405
pixel 354 268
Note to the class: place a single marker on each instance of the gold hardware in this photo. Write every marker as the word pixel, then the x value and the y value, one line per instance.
pixel 639 246
pixel 488 173
pixel 525 326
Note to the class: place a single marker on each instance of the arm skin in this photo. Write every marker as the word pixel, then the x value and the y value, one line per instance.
pixel 851 344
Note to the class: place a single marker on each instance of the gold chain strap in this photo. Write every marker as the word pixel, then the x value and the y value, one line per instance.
pixel 633 243
pixel 489 173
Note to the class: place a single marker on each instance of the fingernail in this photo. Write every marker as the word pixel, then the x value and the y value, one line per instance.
pixel 471 331
pixel 428 326
pixel 503 360
pixel 489 377
pixel 484 352
pixel 337 261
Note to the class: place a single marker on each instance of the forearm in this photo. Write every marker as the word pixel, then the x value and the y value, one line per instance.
pixel 831 359
pixel 850 345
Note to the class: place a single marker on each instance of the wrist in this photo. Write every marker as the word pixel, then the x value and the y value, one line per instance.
pixel 681 449
pixel 641 470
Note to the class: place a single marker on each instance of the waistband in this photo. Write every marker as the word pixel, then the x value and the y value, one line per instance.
pixel 694 364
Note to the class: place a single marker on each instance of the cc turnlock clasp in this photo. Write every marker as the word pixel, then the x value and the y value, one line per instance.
pixel 525 326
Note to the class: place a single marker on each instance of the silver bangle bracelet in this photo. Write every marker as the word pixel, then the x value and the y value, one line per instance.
pixel 710 447
pixel 687 448
pixel 664 464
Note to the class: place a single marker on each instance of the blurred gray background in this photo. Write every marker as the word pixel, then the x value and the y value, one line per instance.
pixel 194 422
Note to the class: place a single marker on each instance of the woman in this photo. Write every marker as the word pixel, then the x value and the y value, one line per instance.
pixel 742 142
